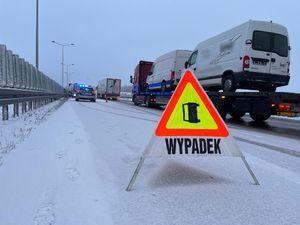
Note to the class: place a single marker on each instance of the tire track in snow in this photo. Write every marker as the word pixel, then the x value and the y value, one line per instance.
pixel 272 147
pixel 267 146
pixel 118 114
pixel 282 172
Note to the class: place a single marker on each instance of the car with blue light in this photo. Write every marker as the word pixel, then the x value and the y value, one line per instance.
pixel 86 93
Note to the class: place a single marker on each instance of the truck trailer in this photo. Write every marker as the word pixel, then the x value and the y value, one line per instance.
pixel 259 105
pixel 109 88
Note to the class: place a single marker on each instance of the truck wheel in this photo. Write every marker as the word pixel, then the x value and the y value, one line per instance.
pixel 214 89
pixel 228 83
pixel 237 115
pixel 135 101
pixel 270 89
pixel 223 114
pixel 148 102
pixel 163 86
pixel 259 118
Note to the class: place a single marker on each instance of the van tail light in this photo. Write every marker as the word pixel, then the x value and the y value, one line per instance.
pixel 246 62
pixel 284 107
pixel 172 75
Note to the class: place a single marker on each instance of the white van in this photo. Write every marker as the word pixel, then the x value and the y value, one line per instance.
pixel 166 70
pixel 254 55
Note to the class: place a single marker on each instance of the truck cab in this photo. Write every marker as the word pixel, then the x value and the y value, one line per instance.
pixel 139 78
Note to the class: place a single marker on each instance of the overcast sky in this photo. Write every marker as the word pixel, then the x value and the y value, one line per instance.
pixel 112 36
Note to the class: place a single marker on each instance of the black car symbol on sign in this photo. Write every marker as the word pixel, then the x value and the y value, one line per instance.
pixel 190 113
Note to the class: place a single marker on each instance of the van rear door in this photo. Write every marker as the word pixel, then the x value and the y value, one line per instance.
pixel 280 51
pixel 259 51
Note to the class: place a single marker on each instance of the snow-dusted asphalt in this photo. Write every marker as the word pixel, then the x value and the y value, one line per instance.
pixel 74 167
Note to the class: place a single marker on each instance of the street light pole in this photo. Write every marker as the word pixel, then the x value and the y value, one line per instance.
pixel 62 59
pixel 67 65
pixel 37 36
pixel 62 65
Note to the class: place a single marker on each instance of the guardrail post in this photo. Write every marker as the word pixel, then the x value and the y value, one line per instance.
pixel 24 107
pixel 30 106
pixel 5 112
pixel 16 109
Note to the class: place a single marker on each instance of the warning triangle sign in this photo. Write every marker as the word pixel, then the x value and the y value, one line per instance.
pixel 190 126
pixel 190 112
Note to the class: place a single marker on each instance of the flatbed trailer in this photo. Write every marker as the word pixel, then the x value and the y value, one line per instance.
pixel 259 105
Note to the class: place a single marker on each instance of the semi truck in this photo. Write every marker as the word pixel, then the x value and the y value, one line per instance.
pixel 109 88
pixel 259 105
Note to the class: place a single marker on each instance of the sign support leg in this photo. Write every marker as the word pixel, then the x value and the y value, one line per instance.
pixel 137 170
pixel 250 171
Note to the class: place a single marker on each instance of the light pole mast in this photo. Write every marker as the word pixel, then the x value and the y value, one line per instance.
pixel 62 59
pixel 67 72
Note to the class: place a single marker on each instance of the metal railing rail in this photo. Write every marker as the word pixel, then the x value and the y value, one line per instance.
pixel 22 83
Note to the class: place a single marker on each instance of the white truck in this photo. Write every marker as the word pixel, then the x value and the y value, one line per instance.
pixel 109 88
pixel 166 70
pixel 254 55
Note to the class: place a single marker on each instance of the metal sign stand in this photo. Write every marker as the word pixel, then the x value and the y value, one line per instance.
pixel 249 170
pixel 137 170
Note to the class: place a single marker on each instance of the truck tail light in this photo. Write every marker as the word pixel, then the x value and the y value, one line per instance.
pixel 172 75
pixel 246 62
pixel 284 107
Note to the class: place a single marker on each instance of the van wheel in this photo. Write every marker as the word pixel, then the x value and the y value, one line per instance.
pixel 228 83
pixel 163 86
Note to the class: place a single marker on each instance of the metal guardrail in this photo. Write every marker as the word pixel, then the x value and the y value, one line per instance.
pixel 26 101
pixel 22 83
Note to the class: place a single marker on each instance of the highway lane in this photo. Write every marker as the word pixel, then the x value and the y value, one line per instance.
pixel 284 127
pixel 277 126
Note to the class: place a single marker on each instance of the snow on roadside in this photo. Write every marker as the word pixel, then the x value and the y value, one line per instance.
pixel 50 178
pixel 15 130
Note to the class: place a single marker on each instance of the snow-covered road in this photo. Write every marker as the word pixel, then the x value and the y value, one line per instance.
pixel 74 167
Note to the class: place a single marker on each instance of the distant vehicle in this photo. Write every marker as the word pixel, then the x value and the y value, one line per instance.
pixel 166 70
pixel 86 93
pixel 73 87
pixel 254 55
pixel 109 88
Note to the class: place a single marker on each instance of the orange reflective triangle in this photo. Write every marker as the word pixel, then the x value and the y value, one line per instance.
pixel 190 112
